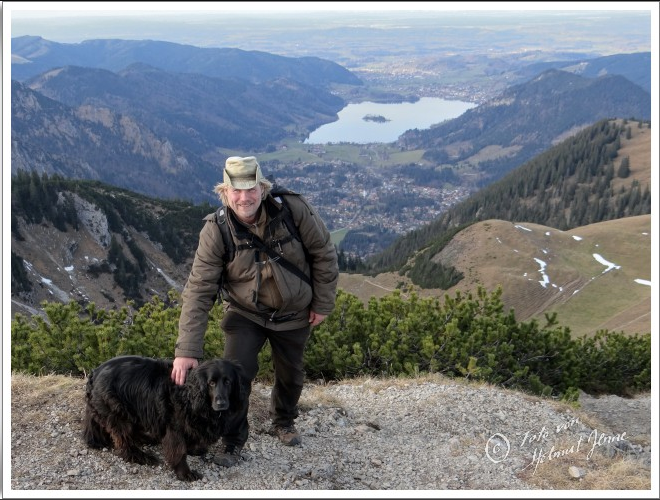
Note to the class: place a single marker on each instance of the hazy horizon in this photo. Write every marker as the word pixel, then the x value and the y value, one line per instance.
pixel 601 31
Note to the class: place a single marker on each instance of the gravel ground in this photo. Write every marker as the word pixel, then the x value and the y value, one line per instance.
pixel 421 434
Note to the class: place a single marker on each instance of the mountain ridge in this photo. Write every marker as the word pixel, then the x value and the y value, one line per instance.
pixel 124 130
pixel 198 107
pixel 562 101
pixel 617 64
pixel 181 126
pixel 38 55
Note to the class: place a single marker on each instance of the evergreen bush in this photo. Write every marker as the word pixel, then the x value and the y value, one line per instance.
pixel 466 335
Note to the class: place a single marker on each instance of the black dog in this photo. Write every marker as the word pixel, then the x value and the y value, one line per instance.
pixel 132 401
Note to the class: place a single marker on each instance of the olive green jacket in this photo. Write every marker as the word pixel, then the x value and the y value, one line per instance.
pixel 257 286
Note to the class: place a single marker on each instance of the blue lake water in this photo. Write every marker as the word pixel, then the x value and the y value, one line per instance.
pixel 351 127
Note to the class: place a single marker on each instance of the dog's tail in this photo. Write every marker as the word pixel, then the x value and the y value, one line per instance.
pixel 93 433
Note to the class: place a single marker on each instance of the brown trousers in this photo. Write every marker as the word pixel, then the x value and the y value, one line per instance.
pixel 244 339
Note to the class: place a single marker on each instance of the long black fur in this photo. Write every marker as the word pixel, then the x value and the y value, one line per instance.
pixel 131 401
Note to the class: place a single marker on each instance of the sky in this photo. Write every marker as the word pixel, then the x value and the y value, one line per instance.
pixel 65 8
pixel 73 22
pixel 22 11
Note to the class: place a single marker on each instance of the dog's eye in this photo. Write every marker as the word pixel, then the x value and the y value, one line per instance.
pixel 227 381
pixel 212 383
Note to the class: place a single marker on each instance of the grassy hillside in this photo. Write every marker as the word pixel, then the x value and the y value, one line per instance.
pixel 627 302
pixel 545 270
pixel 576 183
pixel 566 278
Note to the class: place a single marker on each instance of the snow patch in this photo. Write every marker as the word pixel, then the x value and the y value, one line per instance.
pixel 169 280
pixel 545 277
pixel 609 265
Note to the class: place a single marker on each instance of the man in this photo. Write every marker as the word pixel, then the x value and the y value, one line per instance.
pixel 265 299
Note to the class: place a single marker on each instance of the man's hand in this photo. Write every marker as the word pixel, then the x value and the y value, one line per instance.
pixel 180 369
pixel 316 319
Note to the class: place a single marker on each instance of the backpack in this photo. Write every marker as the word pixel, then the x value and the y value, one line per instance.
pixel 230 248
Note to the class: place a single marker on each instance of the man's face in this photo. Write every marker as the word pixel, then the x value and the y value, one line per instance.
pixel 245 202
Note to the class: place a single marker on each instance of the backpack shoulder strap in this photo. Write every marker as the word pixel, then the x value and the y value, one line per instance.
pixel 277 193
pixel 221 221
pixel 230 248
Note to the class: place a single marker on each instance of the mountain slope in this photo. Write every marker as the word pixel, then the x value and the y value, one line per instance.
pixel 540 269
pixel 97 143
pixel 594 277
pixel 32 55
pixel 525 199
pixel 636 67
pixel 503 133
pixel 151 131
pixel 194 111
pixel 575 183
pixel 115 246
pixel 75 265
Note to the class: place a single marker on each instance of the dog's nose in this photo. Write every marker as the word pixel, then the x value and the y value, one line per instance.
pixel 220 404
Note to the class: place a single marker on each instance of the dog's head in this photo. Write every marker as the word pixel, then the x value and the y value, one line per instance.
pixel 221 383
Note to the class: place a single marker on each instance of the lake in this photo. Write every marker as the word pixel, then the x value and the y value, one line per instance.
pixel 351 126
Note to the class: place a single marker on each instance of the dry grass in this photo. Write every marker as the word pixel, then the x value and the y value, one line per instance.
pixel 598 472
pixel 30 394
pixel 495 253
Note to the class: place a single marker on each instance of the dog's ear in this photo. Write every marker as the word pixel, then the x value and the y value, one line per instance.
pixel 240 388
pixel 196 382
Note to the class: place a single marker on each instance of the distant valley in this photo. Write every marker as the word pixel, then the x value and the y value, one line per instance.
pixel 147 143
pixel 541 269
pixel 166 134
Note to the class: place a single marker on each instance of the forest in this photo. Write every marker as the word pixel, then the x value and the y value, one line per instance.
pixel 568 186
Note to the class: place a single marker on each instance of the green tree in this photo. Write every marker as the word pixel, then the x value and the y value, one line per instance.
pixel 335 348
pixel 624 168
pixel 19 276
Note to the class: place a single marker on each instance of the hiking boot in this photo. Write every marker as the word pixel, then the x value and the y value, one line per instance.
pixel 228 458
pixel 288 434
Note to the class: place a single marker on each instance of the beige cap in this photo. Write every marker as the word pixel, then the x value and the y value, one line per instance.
pixel 242 173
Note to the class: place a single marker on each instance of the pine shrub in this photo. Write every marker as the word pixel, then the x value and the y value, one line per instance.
pixel 466 335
